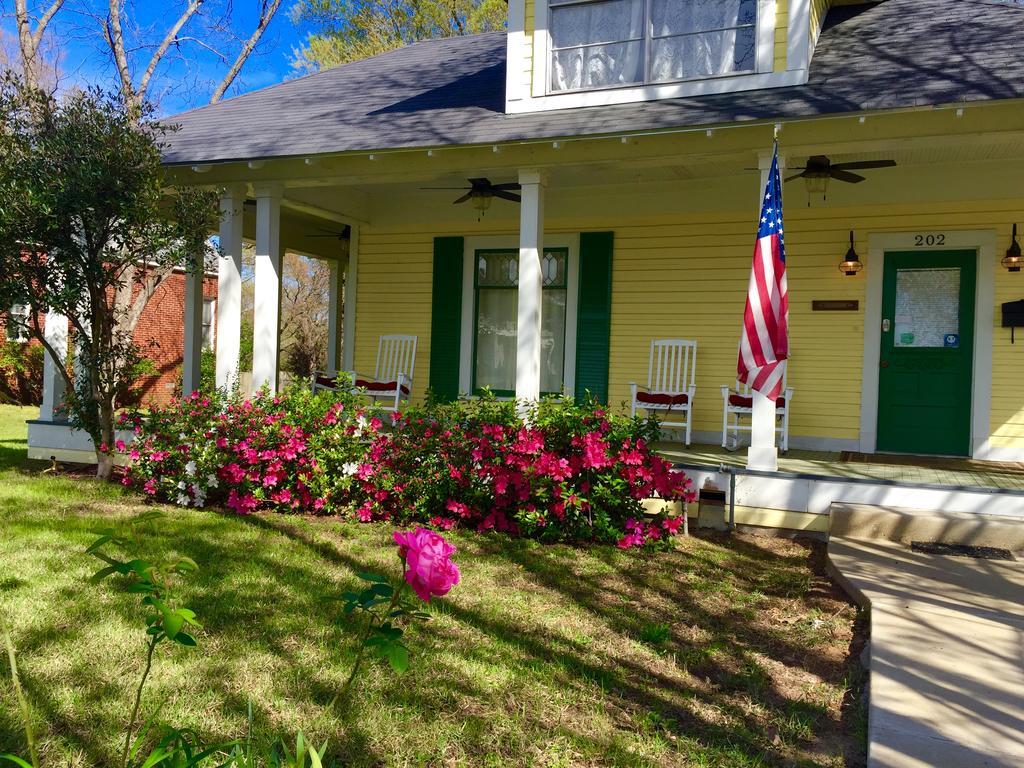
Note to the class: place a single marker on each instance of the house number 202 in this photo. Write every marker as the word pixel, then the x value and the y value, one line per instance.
pixel 920 240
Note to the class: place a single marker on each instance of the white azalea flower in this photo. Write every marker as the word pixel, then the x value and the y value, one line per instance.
pixel 181 485
pixel 349 468
pixel 183 499
pixel 212 481
pixel 190 468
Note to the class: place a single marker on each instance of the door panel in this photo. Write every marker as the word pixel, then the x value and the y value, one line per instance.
pixel 927 349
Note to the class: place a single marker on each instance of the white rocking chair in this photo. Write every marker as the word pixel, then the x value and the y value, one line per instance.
pixel 739 403
pixel 391 382
pixel 671 373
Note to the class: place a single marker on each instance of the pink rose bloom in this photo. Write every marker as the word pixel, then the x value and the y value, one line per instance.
pixel 428 566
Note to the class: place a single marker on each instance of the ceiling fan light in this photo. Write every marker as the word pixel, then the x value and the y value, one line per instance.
pixel 481 202
pixel 816 184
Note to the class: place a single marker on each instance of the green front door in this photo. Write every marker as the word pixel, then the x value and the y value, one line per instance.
pixel 924 376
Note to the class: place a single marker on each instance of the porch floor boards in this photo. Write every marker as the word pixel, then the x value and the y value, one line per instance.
pixel 910 470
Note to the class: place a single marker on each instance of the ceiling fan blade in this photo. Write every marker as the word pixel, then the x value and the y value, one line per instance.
pixel 846 176
pixel 480 182
pixel 797 176
pixel 865 164
pixel 508 195
pixel 507 185
pixel 463 199
pixel 446 188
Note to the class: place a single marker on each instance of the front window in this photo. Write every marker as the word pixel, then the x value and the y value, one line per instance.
pixel 610 43
pixel 208 315
pixel 17 324
pixel 497 308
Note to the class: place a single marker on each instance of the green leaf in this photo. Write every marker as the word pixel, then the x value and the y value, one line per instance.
pixel 373 578
pixel 16 760
pixel 101 574
pixel 156 757
pixel 384 590
pixel 99 543
pixel 397 655
pixel 173 622
pixel 184 638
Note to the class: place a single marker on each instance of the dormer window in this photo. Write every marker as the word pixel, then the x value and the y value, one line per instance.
pixel 614 43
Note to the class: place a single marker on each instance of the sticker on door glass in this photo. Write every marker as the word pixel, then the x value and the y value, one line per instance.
pixel 927 307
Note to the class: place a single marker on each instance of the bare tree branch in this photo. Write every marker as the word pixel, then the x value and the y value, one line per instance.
pixel 169 38
pixel 115 39
pixel 266 14
pixel 30 40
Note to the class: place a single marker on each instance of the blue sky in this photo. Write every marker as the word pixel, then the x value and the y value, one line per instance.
pixel 188 76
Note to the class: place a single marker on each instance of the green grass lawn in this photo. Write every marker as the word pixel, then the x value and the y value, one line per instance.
pixel 725 652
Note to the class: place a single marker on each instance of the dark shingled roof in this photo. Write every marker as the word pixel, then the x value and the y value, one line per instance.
pixel 900 53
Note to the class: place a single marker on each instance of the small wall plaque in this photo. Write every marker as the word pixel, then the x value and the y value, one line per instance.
pixel 835 305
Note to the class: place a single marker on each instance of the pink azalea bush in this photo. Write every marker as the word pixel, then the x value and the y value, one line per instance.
pixel 570 472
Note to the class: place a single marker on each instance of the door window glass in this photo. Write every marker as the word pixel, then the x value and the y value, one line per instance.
pixel 927 308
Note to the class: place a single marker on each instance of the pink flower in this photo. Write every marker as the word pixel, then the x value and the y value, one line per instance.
pixel 149 486
pixel 429 568
pixel 119 445
pixel 672 525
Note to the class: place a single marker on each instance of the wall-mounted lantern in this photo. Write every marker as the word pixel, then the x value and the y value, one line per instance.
pixel 851 263
pixel 1013 259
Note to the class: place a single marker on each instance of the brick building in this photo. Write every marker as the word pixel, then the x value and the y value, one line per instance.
pixel 159 335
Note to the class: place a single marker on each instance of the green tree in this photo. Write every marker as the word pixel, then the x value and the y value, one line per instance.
pixel 348 30
pixel 85 221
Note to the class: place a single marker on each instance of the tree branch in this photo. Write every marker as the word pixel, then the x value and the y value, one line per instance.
pixel 169 38
pixel 266 14
pixel 115 39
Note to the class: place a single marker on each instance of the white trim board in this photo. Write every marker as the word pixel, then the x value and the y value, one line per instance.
pixel 983 242
pixel 511 242
pixel 815 495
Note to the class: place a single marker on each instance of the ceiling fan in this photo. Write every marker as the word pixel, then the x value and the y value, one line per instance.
pixel 345 233
pixel 820 170
pixel 482 191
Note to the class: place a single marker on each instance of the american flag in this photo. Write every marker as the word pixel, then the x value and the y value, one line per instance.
pixel 764 345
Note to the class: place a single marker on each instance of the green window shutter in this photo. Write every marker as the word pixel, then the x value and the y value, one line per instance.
pixel 594 316
pixel 446 318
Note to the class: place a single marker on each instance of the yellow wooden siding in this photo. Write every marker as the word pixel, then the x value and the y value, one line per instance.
pixel 686 276
pixel 781 35
pixel 525 66
pixel 819 9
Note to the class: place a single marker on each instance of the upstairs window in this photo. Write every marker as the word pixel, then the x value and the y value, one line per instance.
pixel 614 43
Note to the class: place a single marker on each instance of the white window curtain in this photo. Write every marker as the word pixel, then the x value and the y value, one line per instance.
pixel 597 44
pixel 608 43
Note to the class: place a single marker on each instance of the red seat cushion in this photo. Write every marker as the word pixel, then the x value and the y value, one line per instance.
pixel 661 398
pixel 380 386
pixel 740 401
pixel 326 381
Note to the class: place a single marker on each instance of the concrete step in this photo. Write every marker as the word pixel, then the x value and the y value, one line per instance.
pixel 897 524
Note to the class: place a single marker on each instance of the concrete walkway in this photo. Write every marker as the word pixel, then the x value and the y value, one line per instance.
pixel 947 655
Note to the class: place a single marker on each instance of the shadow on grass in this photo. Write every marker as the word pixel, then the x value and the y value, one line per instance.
pixel 714 711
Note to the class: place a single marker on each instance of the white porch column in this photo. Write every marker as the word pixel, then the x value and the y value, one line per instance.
pixel 531 249
pixel 351 284
pixel 763 454
pixel 229 288
pixel 334 307
pixel 267 300
pixel 190 365
pixel 56 332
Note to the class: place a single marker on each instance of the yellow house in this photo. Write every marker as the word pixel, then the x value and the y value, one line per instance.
pixel 637 135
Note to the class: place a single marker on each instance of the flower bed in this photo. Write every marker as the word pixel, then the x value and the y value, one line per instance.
pixel 569 472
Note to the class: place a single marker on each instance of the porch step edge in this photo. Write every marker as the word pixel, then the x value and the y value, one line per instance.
pixel 904 525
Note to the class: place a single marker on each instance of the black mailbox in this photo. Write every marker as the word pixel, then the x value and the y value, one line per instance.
pixel 1013 316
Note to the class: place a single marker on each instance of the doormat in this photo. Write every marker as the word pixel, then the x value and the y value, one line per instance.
pixel 932 462
pixel 961 550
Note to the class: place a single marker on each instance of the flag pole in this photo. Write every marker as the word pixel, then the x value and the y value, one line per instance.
pixel 763 454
